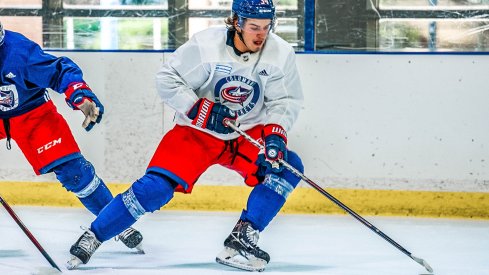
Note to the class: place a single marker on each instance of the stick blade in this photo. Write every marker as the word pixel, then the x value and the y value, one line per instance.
pixel 423 263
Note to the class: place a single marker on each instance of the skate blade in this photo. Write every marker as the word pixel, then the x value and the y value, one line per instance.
pixel 73 263
pixel 139 249
pixel 228 257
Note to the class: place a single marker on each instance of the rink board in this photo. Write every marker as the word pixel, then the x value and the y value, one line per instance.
pixel 303 200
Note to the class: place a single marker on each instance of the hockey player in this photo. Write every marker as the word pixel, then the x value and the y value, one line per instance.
pixel 244 74
pixel 30 118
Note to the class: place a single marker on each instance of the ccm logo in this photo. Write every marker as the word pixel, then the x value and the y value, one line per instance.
pixel 48 145
pixel 77 86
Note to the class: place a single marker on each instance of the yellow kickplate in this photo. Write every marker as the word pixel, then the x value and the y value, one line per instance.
pixel 302 201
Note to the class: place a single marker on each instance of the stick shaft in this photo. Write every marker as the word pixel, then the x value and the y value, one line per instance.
pixel 28 233
pixel 332 198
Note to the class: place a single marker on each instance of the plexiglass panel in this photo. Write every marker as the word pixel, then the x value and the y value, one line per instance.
pixel 30 26
pixel 372 25
pixel 210 4
pixel 116 33
pixel 439 35
pixel 388 4
pixel 24 4
pixel 116 4
pixel 402 25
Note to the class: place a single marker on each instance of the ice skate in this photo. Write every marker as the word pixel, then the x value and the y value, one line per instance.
pixel 241 250
pixel 132 239
pixel 83 249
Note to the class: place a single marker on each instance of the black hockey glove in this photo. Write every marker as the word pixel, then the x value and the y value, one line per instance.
pixel 275 139
pixel 210 115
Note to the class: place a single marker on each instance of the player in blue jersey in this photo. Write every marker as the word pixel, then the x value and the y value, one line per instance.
pixel 29 117
pixel 243 73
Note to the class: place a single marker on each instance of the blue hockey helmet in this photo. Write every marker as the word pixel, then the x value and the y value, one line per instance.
pixel 259 9
pixel 2 33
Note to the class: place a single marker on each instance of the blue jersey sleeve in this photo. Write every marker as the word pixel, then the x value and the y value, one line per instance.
pixel 48 71
pixel 26 71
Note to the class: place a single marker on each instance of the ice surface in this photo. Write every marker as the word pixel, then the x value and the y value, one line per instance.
pixel 187 243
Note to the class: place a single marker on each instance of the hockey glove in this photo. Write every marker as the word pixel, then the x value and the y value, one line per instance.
pixel 80 97
pixel 275 139
pixel 210 115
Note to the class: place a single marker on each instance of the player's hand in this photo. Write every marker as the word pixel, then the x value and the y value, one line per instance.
pixel 210 115
pixel 91 112
pixel 80 97
pixel 275 139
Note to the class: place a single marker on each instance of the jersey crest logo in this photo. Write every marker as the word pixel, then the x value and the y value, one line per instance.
pixel 238 93
pixel 8 98
pixel 235 94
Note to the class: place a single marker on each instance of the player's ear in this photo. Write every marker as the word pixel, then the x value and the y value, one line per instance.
pixel 236 25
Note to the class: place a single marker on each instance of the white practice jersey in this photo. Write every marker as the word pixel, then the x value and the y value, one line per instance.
pixel 261 87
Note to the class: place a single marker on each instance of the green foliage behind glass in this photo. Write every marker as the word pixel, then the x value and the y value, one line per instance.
pixel 87 33
pixel 138 34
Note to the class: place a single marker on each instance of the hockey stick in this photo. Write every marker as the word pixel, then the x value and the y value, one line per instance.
pixel 28 233
pixel 333 199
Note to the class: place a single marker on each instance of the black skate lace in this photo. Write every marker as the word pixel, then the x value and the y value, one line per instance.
pixel 89 242
pixel 247 237
pixel 252 235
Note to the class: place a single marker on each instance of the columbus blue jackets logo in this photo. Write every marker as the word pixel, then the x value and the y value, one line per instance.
pixel 8 98
pixel 235 94
pixel 238 93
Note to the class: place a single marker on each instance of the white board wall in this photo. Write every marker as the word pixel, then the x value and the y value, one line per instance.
pixel 415 122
